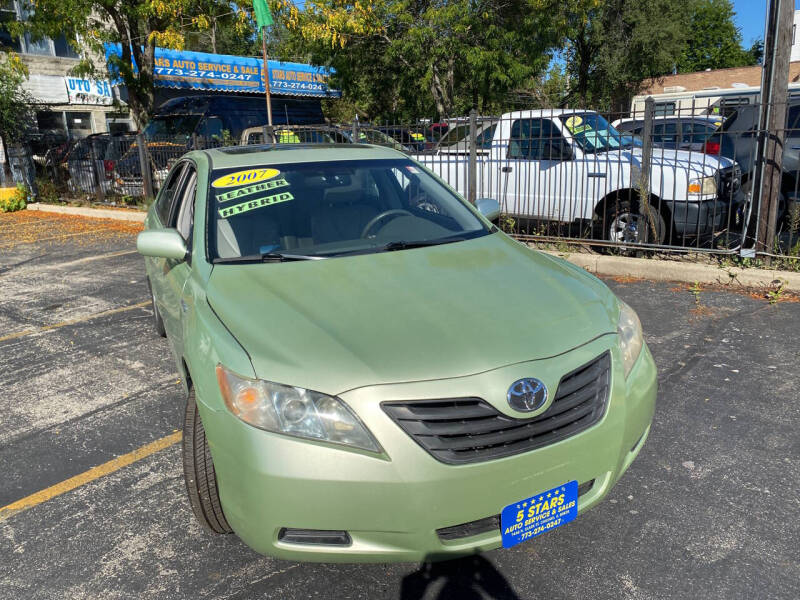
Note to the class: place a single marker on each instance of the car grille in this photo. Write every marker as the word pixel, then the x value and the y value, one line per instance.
pixel 469 430
pixel 456 532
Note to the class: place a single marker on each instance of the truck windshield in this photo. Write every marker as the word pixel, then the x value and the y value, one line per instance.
pixel 171 126
pixel 321 210
pixel 593 133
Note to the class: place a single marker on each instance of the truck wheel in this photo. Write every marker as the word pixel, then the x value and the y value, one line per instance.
pixel 199 474
pixel 158 322
pixel 622 223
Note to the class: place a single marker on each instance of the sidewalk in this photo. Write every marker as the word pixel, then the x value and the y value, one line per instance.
pixel 120 214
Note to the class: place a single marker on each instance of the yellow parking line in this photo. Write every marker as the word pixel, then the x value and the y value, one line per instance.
pixel 90 475
pixel 104 313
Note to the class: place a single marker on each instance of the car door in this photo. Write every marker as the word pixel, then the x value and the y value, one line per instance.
pixel 534 169
pixel 159 268
pixel 176 272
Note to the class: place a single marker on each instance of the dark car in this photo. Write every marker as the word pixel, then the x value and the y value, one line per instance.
pixel 737 139
pixel 205 121
pixel 674 132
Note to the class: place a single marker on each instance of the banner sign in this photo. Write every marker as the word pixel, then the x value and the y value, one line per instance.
pixel 88 91
pixel 222 72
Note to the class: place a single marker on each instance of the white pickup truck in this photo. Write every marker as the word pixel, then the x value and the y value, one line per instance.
pixel 570 165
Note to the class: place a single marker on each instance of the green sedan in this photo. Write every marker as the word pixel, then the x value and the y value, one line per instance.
pixel 374 371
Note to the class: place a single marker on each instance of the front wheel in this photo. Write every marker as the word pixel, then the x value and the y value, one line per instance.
pixel 199 474
pixel 623 224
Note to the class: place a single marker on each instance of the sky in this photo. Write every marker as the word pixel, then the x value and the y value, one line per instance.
pixel 750 17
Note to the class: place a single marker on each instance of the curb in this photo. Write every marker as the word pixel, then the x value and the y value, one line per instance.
pixel 97 213
pixel 661 270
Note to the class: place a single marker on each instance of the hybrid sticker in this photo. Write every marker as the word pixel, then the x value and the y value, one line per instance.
pixel 244 207
pixel 244 177
pixel 251 189
pixel 534 516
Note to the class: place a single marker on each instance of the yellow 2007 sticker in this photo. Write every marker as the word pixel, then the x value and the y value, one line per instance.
pixel 253 204
pixel 244 177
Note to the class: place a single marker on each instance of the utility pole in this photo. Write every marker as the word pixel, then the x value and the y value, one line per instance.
pixel 772 122
pixel 270 131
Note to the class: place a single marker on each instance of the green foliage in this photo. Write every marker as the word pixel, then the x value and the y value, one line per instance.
pixel 17 201
pixel 16 114
pixel 712 39
pixel 398 59
pixel 47 191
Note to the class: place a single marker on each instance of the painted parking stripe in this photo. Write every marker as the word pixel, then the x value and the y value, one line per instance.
pixel 88 476
pixel 105 313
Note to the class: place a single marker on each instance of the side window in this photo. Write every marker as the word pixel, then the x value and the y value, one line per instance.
pixel 793 120
pixel 485 137
pixel 167 195
pixel 184 218
pixel 665 132
pixel 536 139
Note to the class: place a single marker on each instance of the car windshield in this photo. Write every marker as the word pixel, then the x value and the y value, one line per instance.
pixel 593 133
pixel 321 210
pixel 171 126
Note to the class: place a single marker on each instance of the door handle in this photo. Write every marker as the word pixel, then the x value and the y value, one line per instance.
pixel 506 169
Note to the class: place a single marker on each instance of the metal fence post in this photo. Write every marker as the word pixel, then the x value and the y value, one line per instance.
pixel 97 174
pixel 268 132
pixel 472 169
pixel 644 173
pixel 355 129
pixel 144 165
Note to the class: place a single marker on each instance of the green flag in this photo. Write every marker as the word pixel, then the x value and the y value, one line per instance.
pixel 263 16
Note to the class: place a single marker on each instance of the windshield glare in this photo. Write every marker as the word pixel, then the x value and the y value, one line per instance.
pixel 593 133
pixel 328 209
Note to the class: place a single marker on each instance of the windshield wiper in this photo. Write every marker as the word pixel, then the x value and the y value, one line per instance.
pixel 267 257
pixel 403 245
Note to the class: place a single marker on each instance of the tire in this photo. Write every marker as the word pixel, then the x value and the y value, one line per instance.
pixel 622 220
pixel 199 474
pixel 158 322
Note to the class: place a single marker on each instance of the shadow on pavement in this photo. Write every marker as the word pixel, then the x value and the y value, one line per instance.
pixel 468 578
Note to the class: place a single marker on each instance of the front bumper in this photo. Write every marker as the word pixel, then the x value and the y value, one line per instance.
pixel 392 505
pixel 700 218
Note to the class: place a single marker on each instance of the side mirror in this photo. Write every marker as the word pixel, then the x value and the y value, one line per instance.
pixel 166 243
pixel 488 207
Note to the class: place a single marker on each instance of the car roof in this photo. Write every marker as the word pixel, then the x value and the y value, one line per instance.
pixel 261 154
pixel 545 112
pixel 709 118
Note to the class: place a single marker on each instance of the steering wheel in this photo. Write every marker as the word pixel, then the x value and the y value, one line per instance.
pixel 395 212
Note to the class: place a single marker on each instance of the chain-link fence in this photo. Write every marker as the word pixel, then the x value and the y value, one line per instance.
pixel 686 177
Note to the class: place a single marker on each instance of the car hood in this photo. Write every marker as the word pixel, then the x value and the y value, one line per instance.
pixel 694 164
pixel 412 315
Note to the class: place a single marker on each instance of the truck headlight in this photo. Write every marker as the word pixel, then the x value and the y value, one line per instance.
pixel 293 411
pixel 629 330
pixel 704 186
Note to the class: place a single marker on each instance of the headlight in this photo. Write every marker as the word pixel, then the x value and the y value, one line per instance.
pixel 293 411
pixel 703 186
pixel 630 336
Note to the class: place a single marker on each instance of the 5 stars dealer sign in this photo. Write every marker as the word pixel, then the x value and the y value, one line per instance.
pixel 542 512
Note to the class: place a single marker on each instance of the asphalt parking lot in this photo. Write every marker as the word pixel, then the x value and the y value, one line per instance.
pixel 710 509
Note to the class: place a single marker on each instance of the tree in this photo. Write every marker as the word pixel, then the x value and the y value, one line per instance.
pixel 713 41
pixel 16 114
pixel 405 58
pixel 138 25
pixel 612 45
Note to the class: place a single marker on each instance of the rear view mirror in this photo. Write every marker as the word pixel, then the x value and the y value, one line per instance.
pixel 488 207
pixel 166 243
